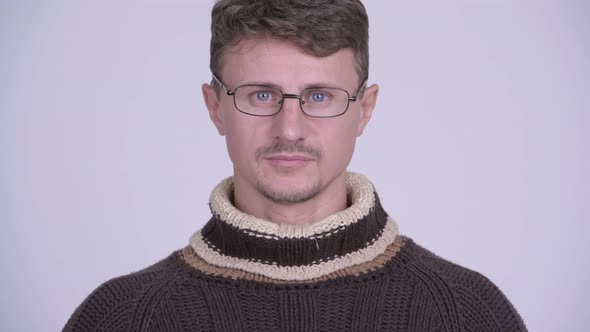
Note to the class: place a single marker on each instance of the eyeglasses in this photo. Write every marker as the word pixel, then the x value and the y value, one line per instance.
pixel 264 100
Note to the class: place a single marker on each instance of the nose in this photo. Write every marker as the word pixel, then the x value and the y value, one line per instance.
pixel 290 123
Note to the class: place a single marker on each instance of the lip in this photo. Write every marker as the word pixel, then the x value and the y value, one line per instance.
pixel 290 157
pixel 289 160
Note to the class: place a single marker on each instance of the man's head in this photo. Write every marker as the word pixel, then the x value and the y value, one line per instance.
pixel 289 47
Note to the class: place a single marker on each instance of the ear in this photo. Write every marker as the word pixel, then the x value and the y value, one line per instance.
pixel 368 102
pixel 212 102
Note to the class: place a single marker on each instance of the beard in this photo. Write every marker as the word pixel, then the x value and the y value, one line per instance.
pixel 287 195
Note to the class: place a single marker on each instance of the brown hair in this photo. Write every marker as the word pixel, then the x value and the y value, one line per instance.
pixel 319 27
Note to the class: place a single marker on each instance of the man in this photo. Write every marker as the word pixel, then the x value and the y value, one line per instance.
pixel 295 242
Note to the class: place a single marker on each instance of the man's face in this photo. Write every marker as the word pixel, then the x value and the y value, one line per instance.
pixel 289 157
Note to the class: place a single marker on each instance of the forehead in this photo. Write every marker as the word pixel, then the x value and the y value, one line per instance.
pixel 285 64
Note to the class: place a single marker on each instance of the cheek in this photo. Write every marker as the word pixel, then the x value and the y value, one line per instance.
pixel 339 144
pixel 241 141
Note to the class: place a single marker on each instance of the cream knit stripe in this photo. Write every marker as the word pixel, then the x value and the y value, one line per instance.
pixel 360 189
pixel 297 273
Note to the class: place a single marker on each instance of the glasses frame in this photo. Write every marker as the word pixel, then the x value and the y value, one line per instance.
pixel 289 96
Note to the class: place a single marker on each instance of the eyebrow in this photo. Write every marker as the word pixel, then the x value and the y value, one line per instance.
pixel 314 85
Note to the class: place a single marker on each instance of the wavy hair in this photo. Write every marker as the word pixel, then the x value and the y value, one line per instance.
pixel 319 27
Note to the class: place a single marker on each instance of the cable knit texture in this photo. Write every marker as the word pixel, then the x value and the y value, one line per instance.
pixel 351 271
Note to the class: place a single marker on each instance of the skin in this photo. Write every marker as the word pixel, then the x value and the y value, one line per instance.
pixel 289 168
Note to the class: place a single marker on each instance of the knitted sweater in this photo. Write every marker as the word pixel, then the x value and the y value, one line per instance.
pixel 351 271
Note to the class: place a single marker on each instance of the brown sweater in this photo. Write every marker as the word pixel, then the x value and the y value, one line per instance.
pixel 351 271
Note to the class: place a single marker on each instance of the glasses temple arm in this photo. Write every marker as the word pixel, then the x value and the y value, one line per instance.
pixel 229 92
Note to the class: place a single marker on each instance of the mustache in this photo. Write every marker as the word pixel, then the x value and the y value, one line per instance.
pixel 290 147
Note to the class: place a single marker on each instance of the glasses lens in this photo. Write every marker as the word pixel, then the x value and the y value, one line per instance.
pixel 258 99
pixel 324 102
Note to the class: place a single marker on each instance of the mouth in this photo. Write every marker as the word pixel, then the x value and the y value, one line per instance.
pixel 289 160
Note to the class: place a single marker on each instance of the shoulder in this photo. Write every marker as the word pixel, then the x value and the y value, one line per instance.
pixel 464 297
pixel 112 305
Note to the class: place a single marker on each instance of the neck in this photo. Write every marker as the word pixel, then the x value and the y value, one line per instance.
pixel 331 199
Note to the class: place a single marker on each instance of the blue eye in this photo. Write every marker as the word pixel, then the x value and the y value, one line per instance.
pixel 318 97
pixel 263 96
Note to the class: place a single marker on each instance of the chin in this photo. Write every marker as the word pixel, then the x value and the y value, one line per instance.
pixel 288 188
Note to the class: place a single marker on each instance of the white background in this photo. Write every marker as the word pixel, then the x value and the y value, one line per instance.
pixel 478 146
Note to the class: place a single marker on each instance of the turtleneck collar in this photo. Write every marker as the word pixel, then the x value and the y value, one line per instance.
pixel 235 240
